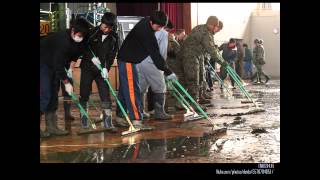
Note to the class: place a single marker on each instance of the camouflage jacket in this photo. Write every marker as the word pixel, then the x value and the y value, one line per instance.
pixel 200 41
pixel 258 55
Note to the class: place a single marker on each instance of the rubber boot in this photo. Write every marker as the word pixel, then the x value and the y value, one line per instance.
pixel 120 119
pixel 67 111
pixel 67 115
pixel 159 112
pixel 84 121
pixel 145 114
pixel 107 118
pixel 52 126
pixel 43 134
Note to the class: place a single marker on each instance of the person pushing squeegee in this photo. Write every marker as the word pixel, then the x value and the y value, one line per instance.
pixel 204 114
pixel 90 100
pixel 131 129
pixel 238 81
pixel 191 114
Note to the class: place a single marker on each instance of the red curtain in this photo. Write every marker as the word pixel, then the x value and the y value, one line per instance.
pixel 136 9
pixel 174 12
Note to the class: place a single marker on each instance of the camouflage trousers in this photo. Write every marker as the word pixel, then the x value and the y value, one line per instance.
pixel 203 85
pixel 175 64
pixel 224 74
pixel 259 72
pixel 193 69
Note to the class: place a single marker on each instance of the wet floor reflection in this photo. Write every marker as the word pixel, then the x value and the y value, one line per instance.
pixel 147 150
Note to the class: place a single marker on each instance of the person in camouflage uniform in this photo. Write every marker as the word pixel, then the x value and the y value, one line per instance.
pixel 176 66
pixel 240 56
pixel 210 81
pixel 198 42
pixel 203 94
pixel 259 61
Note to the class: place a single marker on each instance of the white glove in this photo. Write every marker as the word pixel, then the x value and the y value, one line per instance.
pixel 172 77
pixel 104 73
pixel 69 88
pixel 96 61
pixel 69 73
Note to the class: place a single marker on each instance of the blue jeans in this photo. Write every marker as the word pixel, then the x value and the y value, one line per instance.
pixel 248 68
pixel 45 87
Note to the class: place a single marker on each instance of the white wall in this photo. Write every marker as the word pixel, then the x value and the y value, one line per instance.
pixel 262 27
pixel 240 22
pixel 235 17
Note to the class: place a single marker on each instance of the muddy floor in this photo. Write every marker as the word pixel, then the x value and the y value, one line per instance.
pixel 243 133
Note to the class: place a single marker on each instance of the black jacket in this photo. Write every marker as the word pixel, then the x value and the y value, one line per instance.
pixel 57 50
pixel 228 54
pixel 139 44
pixel 105 51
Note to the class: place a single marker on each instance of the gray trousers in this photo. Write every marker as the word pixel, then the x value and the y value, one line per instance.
pixel 150 76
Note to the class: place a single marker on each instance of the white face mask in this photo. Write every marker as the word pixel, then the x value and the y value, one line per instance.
pixel 77 39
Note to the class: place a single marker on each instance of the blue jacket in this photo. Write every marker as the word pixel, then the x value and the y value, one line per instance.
pixel 248 55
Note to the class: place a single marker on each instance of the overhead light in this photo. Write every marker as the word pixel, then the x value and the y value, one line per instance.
pixel 275 31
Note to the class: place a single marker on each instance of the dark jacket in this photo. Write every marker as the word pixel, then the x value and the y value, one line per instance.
pixel 57 50
pixel 105 51
pixel 248 55
pixel 227 53
pixel 139 44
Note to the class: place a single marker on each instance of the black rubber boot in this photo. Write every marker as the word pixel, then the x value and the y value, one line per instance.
pixel 67 111
pixel 52 126
pixel 159 112
pixel 43 134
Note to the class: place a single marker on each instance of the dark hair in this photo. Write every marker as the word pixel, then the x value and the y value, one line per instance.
pixel 80 25
pixel 169 25
pixel 160 18
pixel 232 40
pixel 109 19
pixel 245 45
